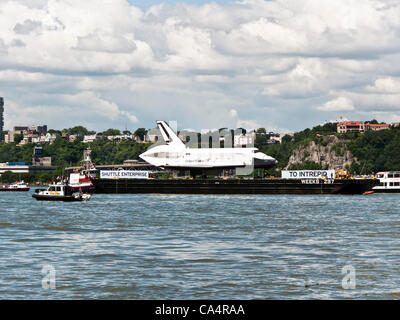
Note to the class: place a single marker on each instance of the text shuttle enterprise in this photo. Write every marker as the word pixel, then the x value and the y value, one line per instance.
pixel 177 156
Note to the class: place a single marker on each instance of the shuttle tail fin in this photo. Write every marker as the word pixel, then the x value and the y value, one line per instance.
pixel 168 134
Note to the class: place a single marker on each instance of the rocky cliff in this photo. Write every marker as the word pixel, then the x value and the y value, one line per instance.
pixel 329 151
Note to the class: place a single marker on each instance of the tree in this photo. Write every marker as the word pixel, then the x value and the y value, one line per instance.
pixel 140 132
pixel 9 177
pixel 287 138
pixel 261 131
pixel 110 132
pixel 260 141
pixel 78 130
pixel 18 138
pixel 52 131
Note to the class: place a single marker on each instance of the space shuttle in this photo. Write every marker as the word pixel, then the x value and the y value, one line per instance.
pixel 176 155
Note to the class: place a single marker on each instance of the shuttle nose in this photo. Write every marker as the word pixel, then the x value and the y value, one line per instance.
pixel 261 160
pixel 144 156
pixel 270 163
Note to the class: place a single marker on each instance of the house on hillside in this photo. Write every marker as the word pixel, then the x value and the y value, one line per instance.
pixel 360 126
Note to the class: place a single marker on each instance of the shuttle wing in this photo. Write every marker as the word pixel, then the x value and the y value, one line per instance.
pixel 168 134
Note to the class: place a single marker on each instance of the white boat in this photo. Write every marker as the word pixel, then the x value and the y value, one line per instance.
pixel 18 186
pixel 60 192
pixel 389 182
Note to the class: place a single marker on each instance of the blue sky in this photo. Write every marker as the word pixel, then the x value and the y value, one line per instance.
pixel 282 64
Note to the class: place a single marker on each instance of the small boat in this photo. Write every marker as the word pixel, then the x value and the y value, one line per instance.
pixel 60 192
pixel 369 192
pixel 18 186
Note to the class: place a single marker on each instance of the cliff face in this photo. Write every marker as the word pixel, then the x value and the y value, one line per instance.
pixel 330 152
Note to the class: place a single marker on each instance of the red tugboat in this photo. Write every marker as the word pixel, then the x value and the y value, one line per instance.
pixel 18 186
pixel 82 180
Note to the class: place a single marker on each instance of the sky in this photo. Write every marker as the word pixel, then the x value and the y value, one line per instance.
pixel 281 64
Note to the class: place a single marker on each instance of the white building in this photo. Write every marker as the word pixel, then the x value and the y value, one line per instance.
pixel 121 137
pixel 153 138
pixel 9 137
pixel 50 137
pixel 73 137
pixel 93 138
pixel 244 139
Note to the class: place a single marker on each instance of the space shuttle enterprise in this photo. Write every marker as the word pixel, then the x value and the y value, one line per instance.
pixel 176 155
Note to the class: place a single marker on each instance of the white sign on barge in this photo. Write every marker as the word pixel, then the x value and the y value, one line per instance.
pixel 124 174
pixel 308 174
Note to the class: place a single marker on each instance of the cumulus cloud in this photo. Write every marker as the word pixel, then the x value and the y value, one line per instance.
pixel 106 43
pixel 338 104
pixel 72 109
pixel 27 26
pixel 252 62
pixel 385 85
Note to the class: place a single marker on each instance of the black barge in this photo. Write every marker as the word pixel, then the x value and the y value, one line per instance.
pixel 235 186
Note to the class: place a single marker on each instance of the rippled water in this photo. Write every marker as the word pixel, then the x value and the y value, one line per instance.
pixel 201 247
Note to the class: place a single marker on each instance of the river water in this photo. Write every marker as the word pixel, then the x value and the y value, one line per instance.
pixel 201 247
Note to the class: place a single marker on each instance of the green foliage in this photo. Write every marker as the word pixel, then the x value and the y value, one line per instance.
pixel 110 132
pixel 44 178
pixel 8 177
pixel 261 140
pixel 18 138
pixel 110 152
pixel 306 155
pixel 141 132
pixel 261 130
pixel 78 130
pixel 339 148
pixel 283 151
pixel 10 152
pixel 57 132
pixel 376 151
pixel 65 153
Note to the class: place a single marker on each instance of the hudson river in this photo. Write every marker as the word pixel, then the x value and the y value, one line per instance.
pixel 200 247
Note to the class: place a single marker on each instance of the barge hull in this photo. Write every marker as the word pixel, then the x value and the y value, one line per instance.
pixel 266 186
